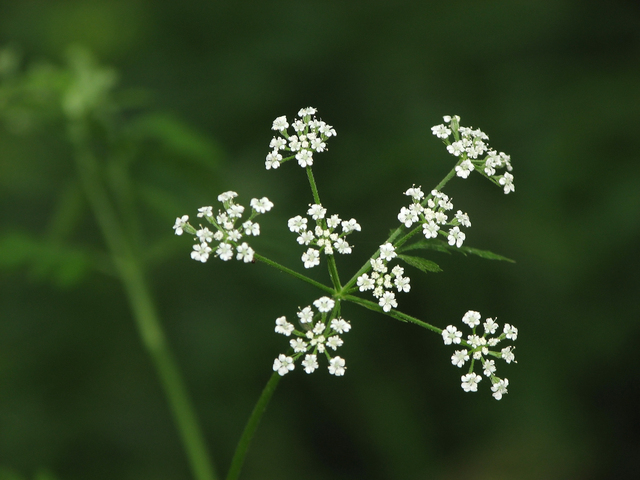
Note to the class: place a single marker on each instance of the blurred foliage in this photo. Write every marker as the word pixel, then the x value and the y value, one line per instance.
pixel 556 84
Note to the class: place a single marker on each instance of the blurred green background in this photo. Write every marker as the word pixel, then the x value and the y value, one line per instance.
pixel 554 83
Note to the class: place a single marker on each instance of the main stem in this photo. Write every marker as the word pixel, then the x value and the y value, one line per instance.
pixel 252 425
pixel 144 311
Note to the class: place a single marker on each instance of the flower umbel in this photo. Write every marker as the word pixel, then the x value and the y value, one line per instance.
pixel 309 138
pixel 479 349
pixel 470 146
pixel 320 332
pixel 227 232
pixel 328 236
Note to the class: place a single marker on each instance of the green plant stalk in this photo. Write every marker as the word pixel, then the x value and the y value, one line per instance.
pixel 331 261
pixel 143 307
pixel 252 424
pixel 403 317
pixel 299 276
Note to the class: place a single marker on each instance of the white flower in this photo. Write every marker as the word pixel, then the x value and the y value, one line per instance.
pixel 305 158
pixel 305 315
pixel 350 226
pixel 303 112
pixel 204 235
pixel 402 284
pixel 201 252
pixel 507 181
pixel 261 206
pixel 283 327
pixel 306 237
pixel 311 258
pixel 500 388
pixel 205 212
pixel 310 363
pixel 342 246
pixel 234 235
pixel 440 218
pixel 415 193
pixel 451 335
pixel 507 355
pixel 283 364
pixel 470 382
pixel 324 304
pixel 280 124
pixel 463 219
pixel 456 148
pixel 318 145
pixel 316 211
pixel 407 217
pixel 465 168
pixel 334 342
pixel 378 265
pixel 181 222
pixel 340 325
pixel 337 366
pixel 456 237
pixel 224 251
pixel 278 143
pixel 489 368
pixel 510 331
pixel 365 283
pixel 297 223
pixel 490 326
pixel 430 230
pixel 333 221
pixel 226 196
pixel 235 211
pixel 273 160
pixel 387 252
pixel 388 301
pixel 251 228
pixel 441 131
pixel 471 318
pixel 459 358
pixel 245 253
pixel 298 345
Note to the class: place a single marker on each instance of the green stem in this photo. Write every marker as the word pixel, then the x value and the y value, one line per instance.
pixel 252 425
pixel 144 312
pixel 299 276
pixel 314 187
pixel 403 317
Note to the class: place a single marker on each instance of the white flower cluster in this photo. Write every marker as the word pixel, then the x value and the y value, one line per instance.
pixel 320 333
pixel 324 235
pixel 433 216
pixel 479 349
pixel 382 281
pixel 310 136
pixel 471 147
pixel 227 232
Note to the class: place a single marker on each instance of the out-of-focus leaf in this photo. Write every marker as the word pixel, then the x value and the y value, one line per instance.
pixel 63 266
pixel 427 266
pixel 178 137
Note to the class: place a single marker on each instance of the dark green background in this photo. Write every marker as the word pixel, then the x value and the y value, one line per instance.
pixel 554 83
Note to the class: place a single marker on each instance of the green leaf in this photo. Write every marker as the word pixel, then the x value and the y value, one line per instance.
pixel 485 254
pixel 424 244
pixel 427 266
pixel 442 246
